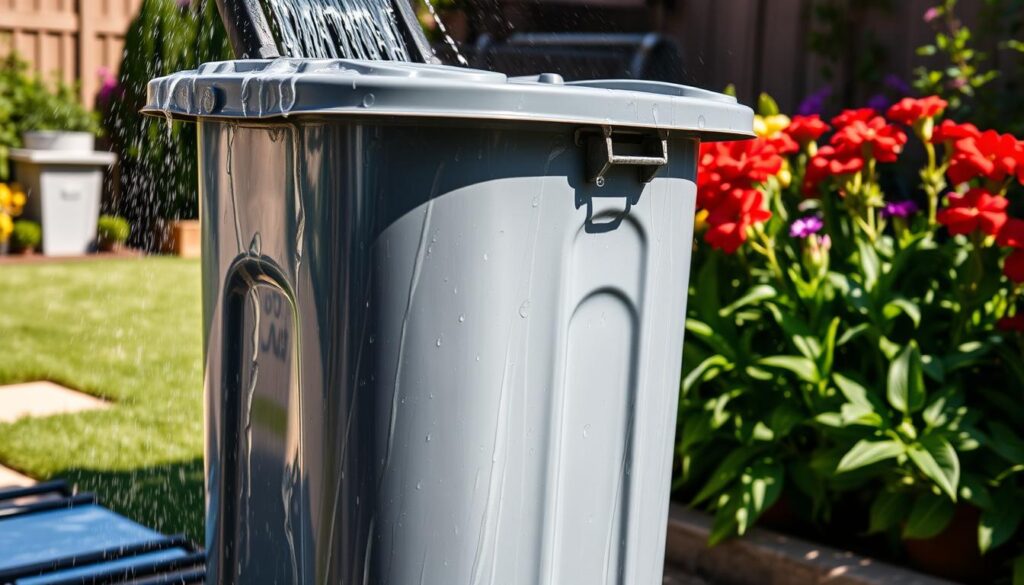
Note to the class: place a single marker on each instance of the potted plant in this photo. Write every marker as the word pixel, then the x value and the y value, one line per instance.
pixel 26 237
pixel 854 345
pixel 111 233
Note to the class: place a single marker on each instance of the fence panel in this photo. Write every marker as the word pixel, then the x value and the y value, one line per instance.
pixel 67 39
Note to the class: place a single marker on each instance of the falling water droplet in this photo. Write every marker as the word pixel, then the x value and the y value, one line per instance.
pixel 372 339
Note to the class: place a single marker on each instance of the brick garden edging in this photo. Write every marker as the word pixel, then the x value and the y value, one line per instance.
pixel 764 557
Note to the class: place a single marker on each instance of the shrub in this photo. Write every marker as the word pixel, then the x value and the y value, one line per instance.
pixel 27 103
pixel 158 162
pixel 849 341
pixel 26 235
pixel 112 229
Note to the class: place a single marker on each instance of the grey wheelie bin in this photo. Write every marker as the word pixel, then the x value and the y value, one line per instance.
pixel 443 317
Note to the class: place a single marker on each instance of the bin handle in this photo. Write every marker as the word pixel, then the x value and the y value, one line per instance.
pixel 601 153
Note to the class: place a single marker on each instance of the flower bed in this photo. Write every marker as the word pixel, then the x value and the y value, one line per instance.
pixel 855 363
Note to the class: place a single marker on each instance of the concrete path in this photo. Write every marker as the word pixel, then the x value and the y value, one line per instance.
pixel 11 478
pixel 43 399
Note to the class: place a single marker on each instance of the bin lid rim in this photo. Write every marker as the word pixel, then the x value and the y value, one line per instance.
pixel 268 89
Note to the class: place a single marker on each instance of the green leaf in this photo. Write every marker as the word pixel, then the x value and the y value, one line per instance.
pixel 1006 443
pixel 933 368
pixel 709 336
pixel 973 490
pixel 901 305
pixel 728 470
pixel 968 354
pixel 1018 570
pixel 705 371
pixel 929 516
pixel 766 105
pixel 829 349
pixel 783 418
pixel 762 487
pixel 888 510
pixel 937 459
pixel 801 366
pixel 870 264
pixel 854 392
pixel 798 332
pixel 906 383
pixel 868 451
pixel 1000 522
pixel 852 333
pixel 755 295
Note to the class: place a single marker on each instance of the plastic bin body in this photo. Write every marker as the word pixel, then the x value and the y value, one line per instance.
pixel 436 352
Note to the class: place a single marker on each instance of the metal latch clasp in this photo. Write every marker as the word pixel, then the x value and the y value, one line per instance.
pixel 649 152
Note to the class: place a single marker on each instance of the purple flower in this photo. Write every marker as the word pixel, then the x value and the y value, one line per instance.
pixel 932 13
pixel 806 226
pixel 879 102
pixel 899 209
pixel 815 103
pixel 897 85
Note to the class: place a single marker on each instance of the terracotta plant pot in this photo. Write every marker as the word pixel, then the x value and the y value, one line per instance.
pixel 109 245
pixel 185 238
pixel 953 553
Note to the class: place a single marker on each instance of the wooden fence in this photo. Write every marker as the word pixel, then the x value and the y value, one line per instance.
pixel 67 39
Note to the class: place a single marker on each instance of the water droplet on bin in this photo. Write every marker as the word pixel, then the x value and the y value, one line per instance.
pixel 368 100
pixel 429 437
pixel 536 201
pixel 701 122
pixel 438 342
pixel 462 318
pixel 586 431
pixel 485 257
pixel 524 309
pixel 419 485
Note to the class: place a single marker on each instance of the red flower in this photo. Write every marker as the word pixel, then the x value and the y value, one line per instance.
pixel 725 166
pixel 910 110
pixel 828 162
pixel 991 155
pixel 1013 266
pixel 734 213
pixel 975 209
pixel 873 137
pixel 783 143
pixel 804 129
pixel 846 117
pixel 1012 234
pixel 1013 324
pixel 950 131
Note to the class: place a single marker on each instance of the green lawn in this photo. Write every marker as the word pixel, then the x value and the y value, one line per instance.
pixel 128 331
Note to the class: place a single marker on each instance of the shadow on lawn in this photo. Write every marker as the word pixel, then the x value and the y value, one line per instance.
pixel 166 498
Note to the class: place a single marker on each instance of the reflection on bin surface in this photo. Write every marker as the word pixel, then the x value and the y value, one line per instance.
pixel 444 317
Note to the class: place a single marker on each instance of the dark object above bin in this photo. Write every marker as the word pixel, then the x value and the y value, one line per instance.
pixel 581 55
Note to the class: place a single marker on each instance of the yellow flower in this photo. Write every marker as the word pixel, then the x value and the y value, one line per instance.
pixel 766 126
pixel 785 174
pixel 6 227
pixel 17 202
pixel 700 221
pixel 5 196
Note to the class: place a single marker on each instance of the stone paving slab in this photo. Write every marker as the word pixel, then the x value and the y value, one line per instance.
pixel 43 399
pixel 11 478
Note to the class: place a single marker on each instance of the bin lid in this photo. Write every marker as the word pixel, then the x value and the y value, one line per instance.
pixel 268 89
